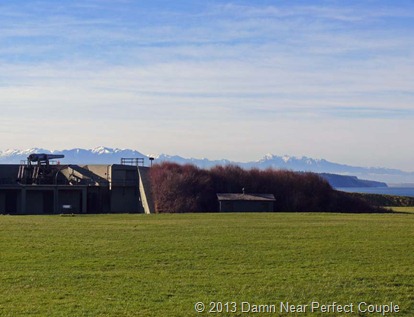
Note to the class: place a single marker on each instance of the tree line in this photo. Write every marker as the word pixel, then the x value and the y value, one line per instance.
pixel 187 188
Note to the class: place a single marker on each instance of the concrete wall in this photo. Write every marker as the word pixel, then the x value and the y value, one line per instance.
pixel 69 201
pixel 39 202
pixel 98 200
pixel 10 200
pixel 8 173
pixel 43 199
pixel 124 175
pixel 53 199
pixel 125 196
pixel 125 199
pixel 2 202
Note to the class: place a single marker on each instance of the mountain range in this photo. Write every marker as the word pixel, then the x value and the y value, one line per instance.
pixel 106 155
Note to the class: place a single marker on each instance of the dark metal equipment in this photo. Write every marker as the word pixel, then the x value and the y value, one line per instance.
pixel 38 169
pixel 43 158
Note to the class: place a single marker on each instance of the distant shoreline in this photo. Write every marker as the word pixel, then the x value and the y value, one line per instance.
pixel 401 185
pixel 394 191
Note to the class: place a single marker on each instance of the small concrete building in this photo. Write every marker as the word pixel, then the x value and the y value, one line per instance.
pixel 246 202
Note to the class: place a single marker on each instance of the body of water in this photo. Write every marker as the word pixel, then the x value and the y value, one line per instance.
pixel 398 191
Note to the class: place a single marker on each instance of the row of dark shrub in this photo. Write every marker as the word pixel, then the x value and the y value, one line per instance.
pixel 385 200
pixel 186 188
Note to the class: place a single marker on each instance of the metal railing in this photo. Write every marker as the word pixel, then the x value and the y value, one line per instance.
pixel 134 161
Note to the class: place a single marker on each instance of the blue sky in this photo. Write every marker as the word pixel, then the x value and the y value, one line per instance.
pixel 216 79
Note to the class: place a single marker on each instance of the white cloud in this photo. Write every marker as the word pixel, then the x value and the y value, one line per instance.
pixel 303 80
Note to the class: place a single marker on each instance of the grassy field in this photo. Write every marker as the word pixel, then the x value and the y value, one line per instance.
pixel 403 209
pixel 161 265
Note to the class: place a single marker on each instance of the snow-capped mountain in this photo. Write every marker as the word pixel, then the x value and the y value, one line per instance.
pixel 13 156
pixel 203 163
pixel 98 155
pixel 304 164
pixel 106 155
pixel 323 166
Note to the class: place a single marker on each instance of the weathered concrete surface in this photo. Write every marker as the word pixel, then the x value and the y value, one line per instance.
pixel 145 190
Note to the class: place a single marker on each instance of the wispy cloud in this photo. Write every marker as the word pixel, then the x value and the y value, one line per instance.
pixel 203 68
pixel 350 12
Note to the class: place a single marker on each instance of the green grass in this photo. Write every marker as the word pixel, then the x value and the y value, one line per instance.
pixel 161 265
pixel 403 209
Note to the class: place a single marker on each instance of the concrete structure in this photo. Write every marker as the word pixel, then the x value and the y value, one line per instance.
pixel 246 202
pixel 46 188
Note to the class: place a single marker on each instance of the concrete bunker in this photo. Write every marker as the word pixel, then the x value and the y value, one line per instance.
pixel 41 185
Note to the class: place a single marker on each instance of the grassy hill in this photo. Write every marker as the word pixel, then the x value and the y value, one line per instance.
pixel 161 265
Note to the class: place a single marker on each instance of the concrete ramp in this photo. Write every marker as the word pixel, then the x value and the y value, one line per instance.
pixel 82 175
pixel 145 190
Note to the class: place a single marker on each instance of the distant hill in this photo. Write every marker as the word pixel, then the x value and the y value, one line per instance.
pixel 106 155
pixel 350 181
